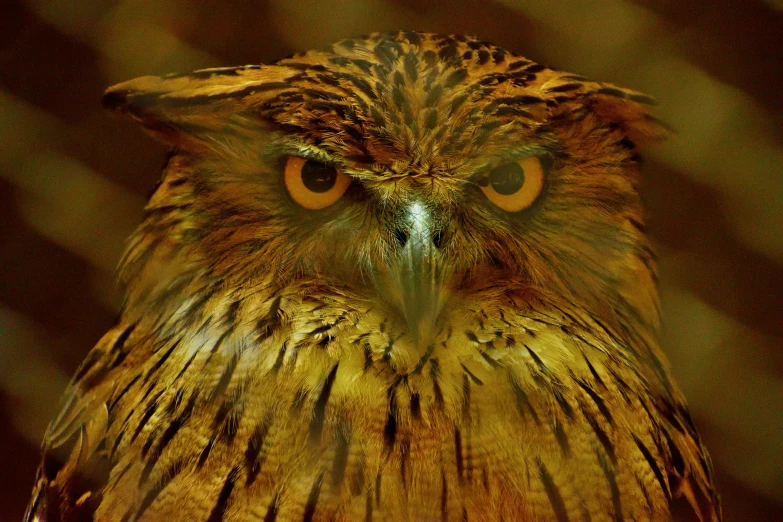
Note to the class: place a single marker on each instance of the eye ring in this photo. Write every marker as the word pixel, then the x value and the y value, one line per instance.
pixel 515 186
pixel 314 185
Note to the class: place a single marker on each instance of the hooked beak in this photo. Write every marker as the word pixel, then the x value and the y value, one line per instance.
pixel 419 279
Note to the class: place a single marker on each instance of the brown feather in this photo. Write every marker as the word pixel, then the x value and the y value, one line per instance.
pixel 265 366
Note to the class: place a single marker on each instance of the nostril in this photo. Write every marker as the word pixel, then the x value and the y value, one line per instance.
pixel 401 237
pixel 437 239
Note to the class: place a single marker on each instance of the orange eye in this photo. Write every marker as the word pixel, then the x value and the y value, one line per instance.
pixel 312 184
pixel 514 186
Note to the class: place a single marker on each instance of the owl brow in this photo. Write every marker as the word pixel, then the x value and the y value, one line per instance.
pixel 511 155
pixel 307 151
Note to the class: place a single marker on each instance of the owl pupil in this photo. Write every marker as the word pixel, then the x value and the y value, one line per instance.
pixel 507 179
pixel 318 177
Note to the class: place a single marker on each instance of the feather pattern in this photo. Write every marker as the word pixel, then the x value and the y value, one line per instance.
pixel 263 368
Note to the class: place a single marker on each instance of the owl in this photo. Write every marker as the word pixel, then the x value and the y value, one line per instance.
pixel 405 278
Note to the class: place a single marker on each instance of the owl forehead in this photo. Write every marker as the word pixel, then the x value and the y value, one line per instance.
pixel 412 102
pixel 401 103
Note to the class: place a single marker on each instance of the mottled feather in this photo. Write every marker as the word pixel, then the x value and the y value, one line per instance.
pixel 264 366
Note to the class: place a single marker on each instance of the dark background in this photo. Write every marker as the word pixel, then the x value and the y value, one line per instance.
pixel 73 180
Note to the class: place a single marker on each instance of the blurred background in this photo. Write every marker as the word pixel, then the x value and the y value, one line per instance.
pixel 73 181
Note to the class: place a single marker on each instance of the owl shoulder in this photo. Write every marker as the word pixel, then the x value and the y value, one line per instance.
pixel 74 467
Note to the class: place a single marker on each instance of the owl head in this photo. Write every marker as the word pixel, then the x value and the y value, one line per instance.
pixel 416 172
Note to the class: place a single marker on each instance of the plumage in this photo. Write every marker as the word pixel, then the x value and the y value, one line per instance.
pixel 464 330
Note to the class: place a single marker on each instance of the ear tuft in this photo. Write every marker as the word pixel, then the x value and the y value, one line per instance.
pixel 631 115
pixel 178 108
pixel 627 109
pixel 114 100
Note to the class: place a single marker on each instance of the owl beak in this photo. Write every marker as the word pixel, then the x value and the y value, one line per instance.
pixel 419 277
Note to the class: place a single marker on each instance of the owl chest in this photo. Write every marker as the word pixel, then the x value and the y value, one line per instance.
pixel 317 435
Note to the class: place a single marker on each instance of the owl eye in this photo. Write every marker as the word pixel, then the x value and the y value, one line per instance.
pixel 314 185
pixel 515 186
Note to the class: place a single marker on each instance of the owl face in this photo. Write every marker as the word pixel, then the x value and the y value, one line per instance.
pixel 411 172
